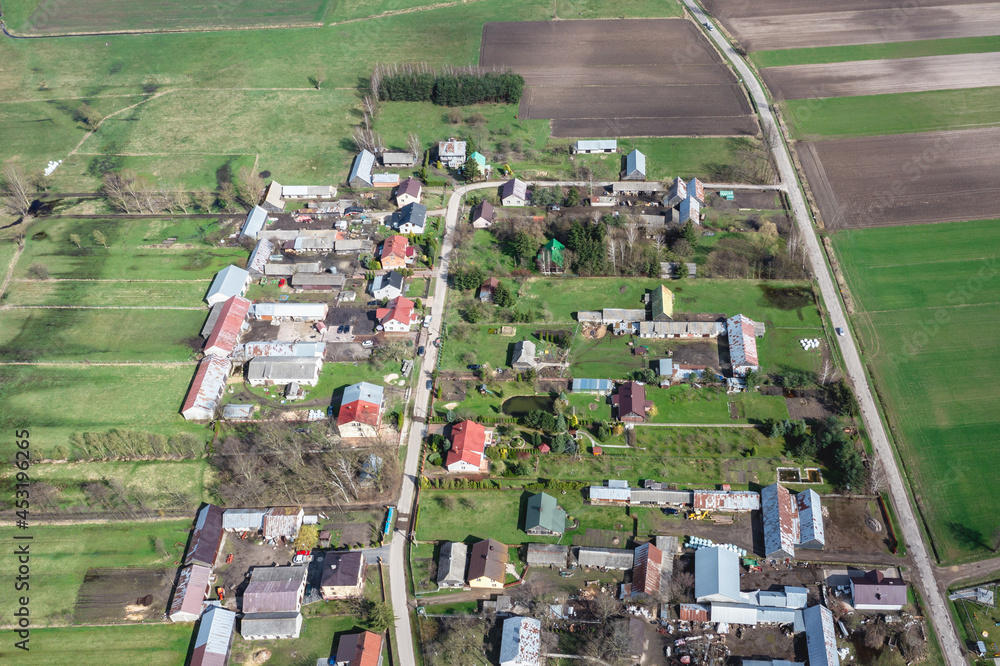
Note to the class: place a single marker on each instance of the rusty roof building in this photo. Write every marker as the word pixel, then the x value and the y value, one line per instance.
pixel 726 500
pixel 193 586
pixel 646 565
pixel 275 589
pixel 206 538
pixel 282 521
pixel 214 637
pixel 207 388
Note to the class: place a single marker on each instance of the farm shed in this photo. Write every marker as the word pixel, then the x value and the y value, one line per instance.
pixel 811 533
pixel 635 187
pixel 592 146
pixel 635 166
pixel 260 257
pixel 821 641
pixel 451 153
pixel 694 613
pixel 243 520
pixel 646 563
pixel 483 215
pixel 619 315
pixel 386 180
pixel 289 311
pixel 360 410
pixel 302 349
pixel 272 198
pixel 409 219
pixel 207 388
pixel 229 326
pixel 589 317
pixel 488 564
pixel 308 192
pixel 206 538
pixel 313 244
pixel 676 194
pixel 659 496
pixel 343 575
pixel 734 613
pixel 408 192
pixel 270 626
pixel 726 500
pixel 451 564
pixel 780 518
pixel 230 281
pixel 213 316
pixel 717 575
pixel 523 357
pixel 661 303
pixel 193 587
pixel 398 160
pixel 875 592
pixel 681 329
pixel 361 170
pixel 605 558
pixel 514 193
pixel 388 285
pixel 468 443
pixel 282 521
pixel 547 554
pixel 276 370
pixel 275 589
pixel 594 386
pixel 254 223
pixel 521 641
pixel 214 637
pixel 238 412
pixel 609 495
pixel 318 281
pixel 630 402
pixel 354 246
pixel 544 516
pixel 364 649
pixel 742 345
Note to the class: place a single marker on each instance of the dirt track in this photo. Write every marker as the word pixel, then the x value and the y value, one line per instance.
pixel 865 27
pixel 620 78
pixel 880 77
pixel 906 178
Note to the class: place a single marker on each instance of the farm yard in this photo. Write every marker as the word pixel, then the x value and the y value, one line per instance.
pixel 602 91
pixel 932 359
pixel 951 164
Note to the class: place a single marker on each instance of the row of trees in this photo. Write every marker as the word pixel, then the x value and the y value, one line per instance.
pixel 131 193
pixel 447 87
pixel 827 442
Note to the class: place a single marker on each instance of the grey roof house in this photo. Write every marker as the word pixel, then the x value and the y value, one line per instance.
pixel 524 355
pixel 544 516
pixel 451 564
pixel 388 285
pixel 361 170
pixel 230 281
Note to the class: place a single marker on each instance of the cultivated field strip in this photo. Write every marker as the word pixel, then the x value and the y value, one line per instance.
pixel 878 77
pixel 620 78
pixel 726 9
pixel 865 27
pixel 927 177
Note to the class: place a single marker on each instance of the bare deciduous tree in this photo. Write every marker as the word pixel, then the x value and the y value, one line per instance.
pixel 16 190
pixel 826 372
pixel 413 145
pixel 249 186
pixel 100 238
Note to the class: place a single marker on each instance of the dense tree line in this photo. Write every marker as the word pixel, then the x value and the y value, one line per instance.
pixel 827 442
pixel 450 87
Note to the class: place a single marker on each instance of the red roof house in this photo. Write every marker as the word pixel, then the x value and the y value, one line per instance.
pixel 398 317
pixel 361 410
pixel 631 402
pixel 468 442
pixel 393 252
pixel 364 649
pixel 228 327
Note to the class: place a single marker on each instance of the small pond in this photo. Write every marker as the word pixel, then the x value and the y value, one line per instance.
pixel 524 404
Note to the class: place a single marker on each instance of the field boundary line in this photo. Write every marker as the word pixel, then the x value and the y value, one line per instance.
pixel 99 307
pixel 399 12
pixel 103 280
pixel 154 364
pixel 10 269
pixel 110 115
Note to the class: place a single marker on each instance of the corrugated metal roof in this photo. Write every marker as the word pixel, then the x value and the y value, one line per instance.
pixel 742 343
pixel 274 589
pixel 779 515
pixel 308 311
pixel 603 385
pixel 596 144
pixel 694 329
pixel 215 635
pixel 236 411
pixel 284 369
pixel 690 209
pixel 676 194
pixel 607 558
pixel 207 387
pixel 635 163
pixel 796 597
pixel 604 494
pixel 811 533
pixel 521 641
pixel 646 570
pixel 362 168
pixel 614 315
pixel 821 641
pixel 665 365
pixel 256 219
pixel 734 613
pixel 301 349
pixel 776 615
pixel 260 256
pixel 364 391
pixel 696 190
pixel 191 591
pixel 660 496
pixel 694 612
pixel 452 562
pixel 228 327
pixel 287 624
pixel 726 500
pixel 544 554
pixel 716 575
pixel 590 316
pixel 304 191
pixel 385 178
pixel 230 281
pixel 240 520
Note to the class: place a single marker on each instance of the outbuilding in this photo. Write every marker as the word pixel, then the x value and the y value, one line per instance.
pixel 635 166
pixel 230 281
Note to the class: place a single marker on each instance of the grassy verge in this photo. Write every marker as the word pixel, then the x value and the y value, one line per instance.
pixel 161 644
pixel 119 294
pixel 899 113
pixel 891 50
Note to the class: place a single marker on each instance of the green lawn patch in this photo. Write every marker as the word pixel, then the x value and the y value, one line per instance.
pixel 828 54
pixel 586 9
pixel 101 335
pixel 318 640
pixel 55 402
pixel 62 554
pixel 459 608
pixel 686 404
pixel 932 357
pixel 159 644
pixel 121 294
pixel 898 113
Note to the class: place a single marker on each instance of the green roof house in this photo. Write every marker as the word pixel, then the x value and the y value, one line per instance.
pixel 480 160
pixel 544 517
pixel 550 257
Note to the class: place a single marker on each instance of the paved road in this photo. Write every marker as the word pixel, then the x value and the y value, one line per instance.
pixel 933 597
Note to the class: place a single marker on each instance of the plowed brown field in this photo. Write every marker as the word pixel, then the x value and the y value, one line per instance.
pixel 905 178
pixel 620 78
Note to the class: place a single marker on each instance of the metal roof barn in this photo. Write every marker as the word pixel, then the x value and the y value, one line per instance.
pixel 254 224
pixel 546 554
pixel 596 146
pixel 214 637
pixel 604 494
pixel 237 412
pixel 605 558
pixel 780 518
pixel 282 521
pixel 821 641
pixel 299 349
pixel 193 584
pixel 264 370
pixel 451 564
pixel 260 256
pixel 742 344
pixel 206 388
pixel 726 500
pixel 694 612
pixel 275 589
pixel 303 311
pixel 520 643
pixel 646 566
pixel 811 533
pixel 796 597
pixel 717 575
pixel 243 520
pixel 635 166
pixel 228 327
pixel 230 281
pixel 734 613
pixel 270 625
pixel 361 170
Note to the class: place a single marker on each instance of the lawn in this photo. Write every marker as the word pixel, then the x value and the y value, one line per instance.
pixel 890 50
pixel 132 252
pixel 62 554
pixel 7 251
pixel 783 304
pixel 160 644
pixel 55 402
pixel 686 404
pixel 484 347
pixel 587 9
pixel 318 639
pixel 899 113
pixel 128 294
pixel 101 335
pixel 932 360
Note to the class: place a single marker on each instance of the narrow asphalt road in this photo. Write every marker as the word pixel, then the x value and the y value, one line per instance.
pixel 933 597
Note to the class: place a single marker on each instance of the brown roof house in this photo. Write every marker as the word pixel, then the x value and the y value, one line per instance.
pixel 364 649
pixel 630 402
pixel 483 215
pixel 409 191
pixel 343 575
pixel 487 288
pixel 488 564
pixel 874 592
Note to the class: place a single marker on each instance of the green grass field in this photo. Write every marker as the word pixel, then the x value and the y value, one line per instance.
pixel 129 294
pixel 160 644
pixel 133 251
pixel 928 307
pixel 168 483
pixel 101 335
pixel 62 554
pixel 890 50
pixel 55 402
pixel 900 113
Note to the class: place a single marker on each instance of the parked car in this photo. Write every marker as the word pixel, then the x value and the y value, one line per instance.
pixel 709 26
pixel 420 350
pixel 367 344
pixel 840 331
pixel 473 366
pixel 430 384
pixel 427 321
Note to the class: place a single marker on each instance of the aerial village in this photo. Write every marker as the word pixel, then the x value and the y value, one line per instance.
pixel 654 571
